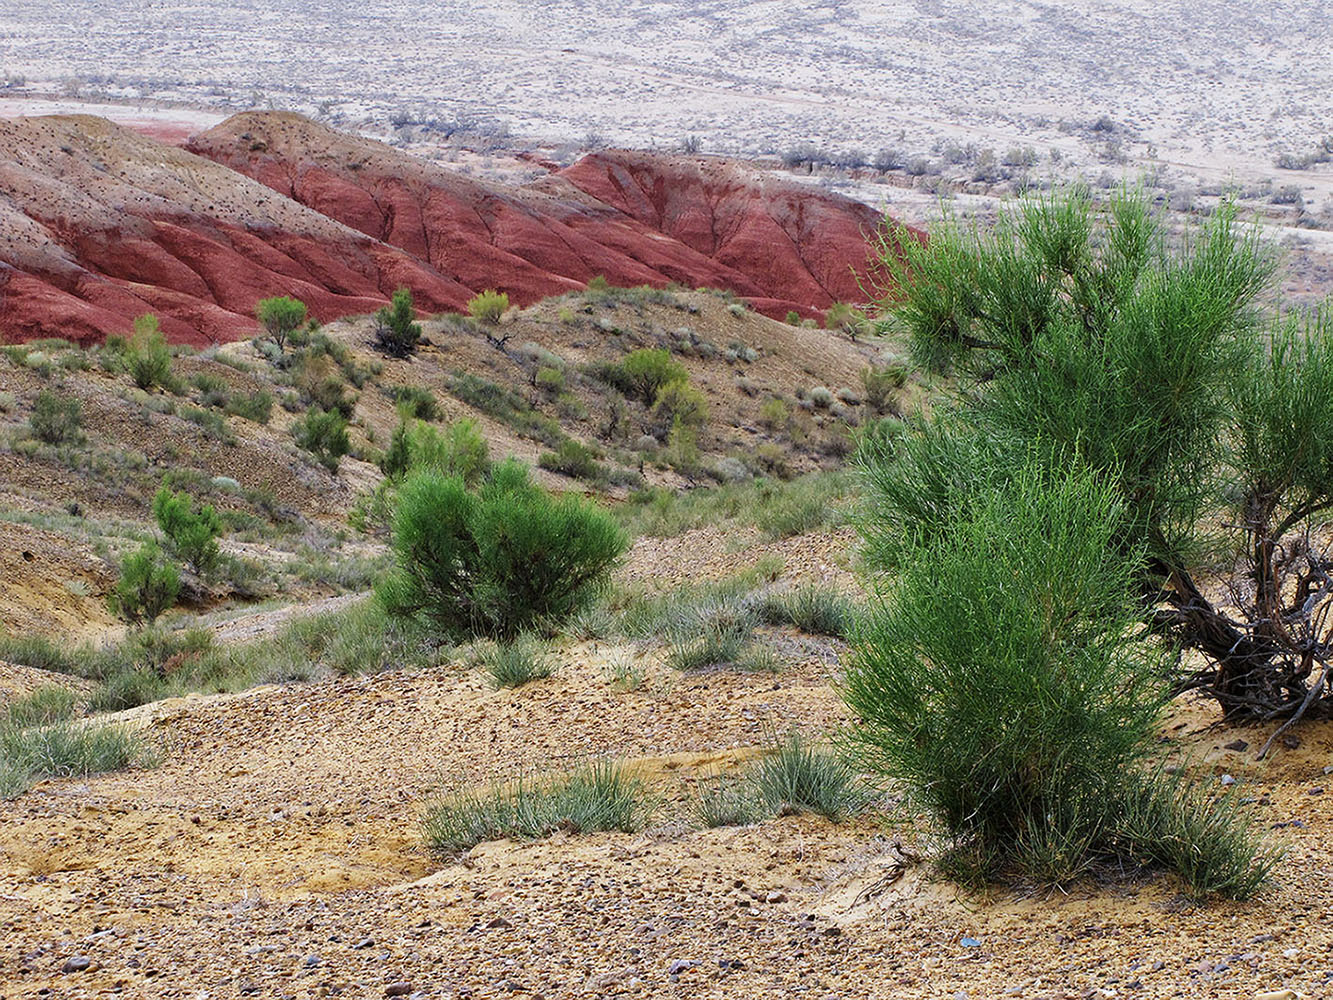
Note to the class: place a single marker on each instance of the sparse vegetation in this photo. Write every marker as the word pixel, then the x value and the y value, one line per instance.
pixel 518 661
pixel 488 306
pixel 191 530
pixel 598 797
pixel 799 776
pixel 148 356
pixel 62 750
pixel 56 419
pixel 813 608
pixel 397 333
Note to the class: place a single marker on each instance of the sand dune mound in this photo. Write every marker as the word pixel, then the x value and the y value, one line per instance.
pixel 101 224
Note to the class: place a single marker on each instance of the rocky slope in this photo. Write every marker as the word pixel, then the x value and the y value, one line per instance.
pixel 101 224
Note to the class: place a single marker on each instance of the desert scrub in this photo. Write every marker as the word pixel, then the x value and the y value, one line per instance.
pixel 56 419
pixel 457 450
pixel 815 609
pixel 776 507
pixel 147 586
pixel 488 306
pixel 796 775
pixel 396 332
pixel 191 529
pixel 63 750
pixel 574 459
pixel 147 356
pixel 49 703
pixel 727 801
pixel 506 406
pixel 498 560
pixel 323 433
pixel 415 401
pixel 601 796
pixel 281 317
pixel 517 662
pixel 624 673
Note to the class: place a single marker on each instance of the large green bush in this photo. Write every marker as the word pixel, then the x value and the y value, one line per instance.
pixel 457 450
pixel 147 587
pixel 281 317
pixel 497 561
pixel 191 530
pixel 1042 529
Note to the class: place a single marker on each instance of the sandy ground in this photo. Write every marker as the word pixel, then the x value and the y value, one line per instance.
pixel 275 853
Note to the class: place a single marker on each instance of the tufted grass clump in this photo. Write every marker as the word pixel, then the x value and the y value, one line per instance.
pixel 798 775
pixel 63 750
pixel 49 703
pixel 517 662
pixel 813 608
pixel 725 801
pixel 601 796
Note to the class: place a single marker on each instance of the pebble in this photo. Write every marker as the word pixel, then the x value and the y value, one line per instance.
pixel 680 965
pixel 76 964
pixel 398 989
pixel 311 961
pixel 1227 779
pixel 970 942
pixel 364 943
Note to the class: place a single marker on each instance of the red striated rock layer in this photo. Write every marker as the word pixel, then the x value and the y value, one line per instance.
pixel 99 224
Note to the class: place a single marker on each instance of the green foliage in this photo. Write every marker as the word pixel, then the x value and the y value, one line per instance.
pixel 147 587
pixel 49 703
pixel 56 419
pixel 798 776
pixel 679 404
pixel 191 530
pixel 516 662
pixel 813 608
pixel 256 407
pixel 550 380
pixel 506 406
pixel 497 561
pixel 488 306
pixel 280 317
pixel 649 370
pixel 147 355
pixel 573 458
pixel 793 318
pixel 62 750
pixel 457 450
pixel 416 401
pixel 600 796
pixel 323 433
pixel 396 331
pixel 882 385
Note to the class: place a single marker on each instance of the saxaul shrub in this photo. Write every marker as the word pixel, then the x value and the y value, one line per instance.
pixel 147 587
pixel 191 530
pixel 397 333
pixel 502 559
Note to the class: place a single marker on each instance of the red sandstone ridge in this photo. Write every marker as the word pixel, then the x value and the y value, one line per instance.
pixel 633 217
pixel 99 224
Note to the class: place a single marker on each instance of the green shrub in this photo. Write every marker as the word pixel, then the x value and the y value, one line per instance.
pixel 457 450
pixel 679 404
pixel 396 331
pixel 573 458
pixel 550 380
pixel 497 561
pixel 280 317
pixel 774 413
pixel 488 306
pixel 601 796
pixel 56 419
pixel 49 703
pixel 323 433
pixel 213 391
pixel 506 406
pixel 793 318
pixel 62 750
pixel 797 776
pixel 191 530
pixel 516 662
pixel 648 370
pixel 882 385
pixel 147 355
pixel 210 422
pixel 256 407
pixel 416 401
pixel 1005 681
pixel 129 689
pixel 147 587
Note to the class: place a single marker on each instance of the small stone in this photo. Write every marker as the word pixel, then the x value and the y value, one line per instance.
pixel 398 989
pixel 1316 791
pixel 681 965
pixel 76 964
pixel 498 923
pixel 832 930
pixel 970 942
pixel 364 943
pixel 311 961
pixel 1227 779
pixel 1291 742
pixel 776 897
pixel 1237 745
